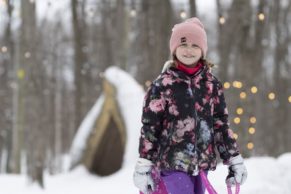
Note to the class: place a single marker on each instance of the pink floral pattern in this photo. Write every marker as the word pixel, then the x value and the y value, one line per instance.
pixel 183 126
pixel 173 110
pixel 183 114
pixel 167 81
pixel 157 105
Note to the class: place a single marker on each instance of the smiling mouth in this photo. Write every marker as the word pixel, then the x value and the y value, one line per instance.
pixel 188 56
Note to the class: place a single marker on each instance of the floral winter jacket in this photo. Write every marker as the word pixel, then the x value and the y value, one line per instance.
pixel 184 120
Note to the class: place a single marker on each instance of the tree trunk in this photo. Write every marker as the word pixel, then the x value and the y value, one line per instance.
pixel 193 8
pixel 78 31
pixel 6 91
pixel 121 32
pixel 153 38
pixel 281 78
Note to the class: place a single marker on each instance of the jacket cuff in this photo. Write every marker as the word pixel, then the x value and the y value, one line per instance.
pixel 236 160
pixel 144 162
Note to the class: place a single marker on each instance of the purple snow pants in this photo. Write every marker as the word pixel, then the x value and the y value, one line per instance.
pixel 175 182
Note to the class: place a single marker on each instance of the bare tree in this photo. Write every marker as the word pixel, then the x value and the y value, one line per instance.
pixel 121 34
pixel 79 57
pixel 193 8
pixel 6 89
pixel 281 78
pixel 156 19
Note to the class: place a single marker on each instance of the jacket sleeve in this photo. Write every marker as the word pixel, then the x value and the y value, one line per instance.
pixel 152 119
pixel 223 135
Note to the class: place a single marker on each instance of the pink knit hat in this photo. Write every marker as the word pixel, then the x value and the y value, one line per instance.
pixel 191 31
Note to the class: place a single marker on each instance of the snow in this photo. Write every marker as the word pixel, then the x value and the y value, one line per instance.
pixel 129 97
pixel 84 131
pixel 266 175
pixel 49 9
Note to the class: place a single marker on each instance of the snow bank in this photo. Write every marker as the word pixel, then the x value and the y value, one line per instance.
pixel 129 96
pixel 83 133
pixel 266 176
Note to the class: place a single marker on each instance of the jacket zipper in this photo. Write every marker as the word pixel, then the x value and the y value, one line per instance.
pixel 196 169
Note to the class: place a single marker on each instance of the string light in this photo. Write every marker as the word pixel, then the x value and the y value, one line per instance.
pixel 250 146
pixel 289 99
pixel 226 85
pixel 243 95
pixel 148 83
pixel 254 89
pixel 252 130
pixel 261 16
pixel 4 49
pixel 236 120
pixel 239 111
pixel 183 14
pixel 221 20
pixel 132 12
pixel 235 136
pixel 253 120
pixel 237 84
pixel 27 55
pixel 271 96
pixel 20 73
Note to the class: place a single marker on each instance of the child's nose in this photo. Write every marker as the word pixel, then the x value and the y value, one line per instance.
pixel 188 49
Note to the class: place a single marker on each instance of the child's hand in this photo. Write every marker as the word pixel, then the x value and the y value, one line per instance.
pixel 237 171
pixel 142 176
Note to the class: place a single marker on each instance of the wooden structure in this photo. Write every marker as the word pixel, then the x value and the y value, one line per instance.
pixel 105 146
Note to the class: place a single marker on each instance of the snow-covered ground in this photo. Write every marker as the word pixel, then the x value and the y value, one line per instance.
pixel 266 176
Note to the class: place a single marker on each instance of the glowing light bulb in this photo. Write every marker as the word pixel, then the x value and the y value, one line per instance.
pixel 239 111
pixel 250 146
pixel 261 16
pixel 222 20
pixel 132 12
pixel 252 130
pixel 237 84
pixel 4 49
pixel 271 96
pixel 236 120
pixel 20 74
pixel 183 14
pixel 253 120
pixel 27 55
pixel 254 89
pixel 243 95
pixel 226 85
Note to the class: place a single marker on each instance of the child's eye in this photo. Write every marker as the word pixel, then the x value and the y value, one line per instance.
pixel 195 46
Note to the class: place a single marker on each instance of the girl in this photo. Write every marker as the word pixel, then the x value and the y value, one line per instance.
pixel 184 120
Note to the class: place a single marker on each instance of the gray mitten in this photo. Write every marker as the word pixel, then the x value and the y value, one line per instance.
pixel 237 171
pixel 142 176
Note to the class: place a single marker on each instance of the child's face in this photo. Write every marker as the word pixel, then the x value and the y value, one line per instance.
pixel 188 54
